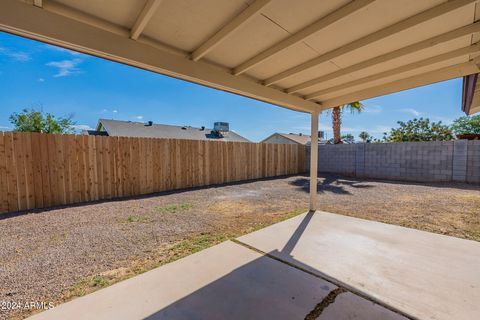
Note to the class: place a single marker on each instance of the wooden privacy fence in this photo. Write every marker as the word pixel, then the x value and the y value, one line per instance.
pixel 43 170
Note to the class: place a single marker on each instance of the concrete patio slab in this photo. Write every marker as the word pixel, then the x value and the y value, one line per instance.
pixel 227 281
pixel 348 306
pixel 424 275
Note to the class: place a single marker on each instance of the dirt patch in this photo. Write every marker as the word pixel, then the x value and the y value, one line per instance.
pixel 234 207
pixel 59 254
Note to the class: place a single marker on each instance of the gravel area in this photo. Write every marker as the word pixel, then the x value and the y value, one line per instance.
pixel 55 255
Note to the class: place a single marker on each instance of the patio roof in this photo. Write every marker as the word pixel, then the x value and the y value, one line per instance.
pixel 306 56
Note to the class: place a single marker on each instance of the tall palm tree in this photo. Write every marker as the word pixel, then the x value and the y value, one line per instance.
pixel 356 106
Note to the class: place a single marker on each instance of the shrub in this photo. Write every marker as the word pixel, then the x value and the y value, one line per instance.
pixel 467 125
pixel 419 130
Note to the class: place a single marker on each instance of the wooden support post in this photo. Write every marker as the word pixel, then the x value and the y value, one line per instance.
pixel 313 161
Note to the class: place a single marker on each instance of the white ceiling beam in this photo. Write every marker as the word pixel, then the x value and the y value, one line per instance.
pixel 447 73
pixel 38 3
pixel 425 44
pixel 63 10
pixel 318 25
pixel 392 72
pixel 83 17
pixel 371 38
pixel 143 18
pixel 228 29
pixel 25 20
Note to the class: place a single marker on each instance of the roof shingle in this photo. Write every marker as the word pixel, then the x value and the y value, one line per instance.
pixel 119 128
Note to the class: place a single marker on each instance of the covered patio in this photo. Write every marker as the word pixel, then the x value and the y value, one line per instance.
pixel 307 56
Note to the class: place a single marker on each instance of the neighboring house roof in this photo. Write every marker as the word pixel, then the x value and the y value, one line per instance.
pixel 298 138
pixel 94 133
pixel 119 128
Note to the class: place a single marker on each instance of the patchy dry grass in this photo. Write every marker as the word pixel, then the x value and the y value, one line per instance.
pixel 58 238
pixel 449 209
pixel 138 218
pixel 235 207
pixel 174 208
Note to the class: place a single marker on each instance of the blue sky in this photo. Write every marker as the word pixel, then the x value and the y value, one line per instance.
pixel 33 74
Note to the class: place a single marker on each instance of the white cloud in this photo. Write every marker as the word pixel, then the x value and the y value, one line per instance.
pixel 382 129
pixel 375 129
pixel 306 128
pixel 328 128
pixel 16 55
pixel 411 111
pixel 4 127
pixel 445 120
pixel 41 80
pixel 19 56
pixel 322 126
pixel 139 117
pixel 105 110
pixel 65 67
pixel 82 127
pixel 373 108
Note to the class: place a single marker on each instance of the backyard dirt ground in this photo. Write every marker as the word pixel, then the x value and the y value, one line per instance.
pixel 55 255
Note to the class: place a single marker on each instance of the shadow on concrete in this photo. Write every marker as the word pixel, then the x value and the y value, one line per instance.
pixel 330 183
pixel 292 242
pixel 282 290
pixel 261 289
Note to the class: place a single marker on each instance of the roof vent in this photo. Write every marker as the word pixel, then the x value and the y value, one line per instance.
pixel 202 128
pixel 300 134
pixel 184 128
pixel 148 123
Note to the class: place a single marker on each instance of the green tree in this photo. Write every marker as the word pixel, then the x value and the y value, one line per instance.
pixel 337 117
pixel 31 120
pixel 364 136
pixel 467 125
pixel 419 130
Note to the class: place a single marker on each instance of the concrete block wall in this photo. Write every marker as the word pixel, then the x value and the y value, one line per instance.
pixel 473 162
pixel 413 161
pixel 416 161
pixel 459 170
pixel 340 159
pixel 360 159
